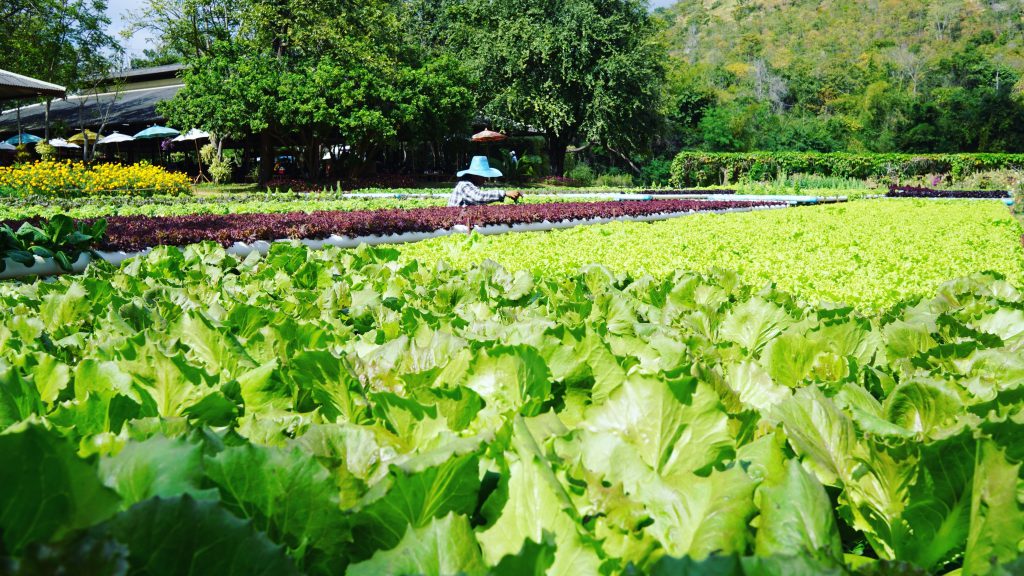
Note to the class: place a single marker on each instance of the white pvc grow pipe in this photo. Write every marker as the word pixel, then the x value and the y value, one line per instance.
pixel 709 195
pixel 42 267
pixel 242 249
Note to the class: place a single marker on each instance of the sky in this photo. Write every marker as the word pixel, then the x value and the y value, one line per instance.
pixel 138 42
pixel 116 9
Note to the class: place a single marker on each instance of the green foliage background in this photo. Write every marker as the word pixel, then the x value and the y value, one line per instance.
pixel 713 168
pixel 916 75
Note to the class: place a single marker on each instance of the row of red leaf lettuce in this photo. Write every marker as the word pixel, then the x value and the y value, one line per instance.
pixel 138 232
pixel 918 192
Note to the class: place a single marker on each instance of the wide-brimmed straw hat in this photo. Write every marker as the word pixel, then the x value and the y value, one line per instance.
pixel 479 166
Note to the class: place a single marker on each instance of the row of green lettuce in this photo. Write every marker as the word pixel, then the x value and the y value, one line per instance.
pixel 351 412
pixel 870 254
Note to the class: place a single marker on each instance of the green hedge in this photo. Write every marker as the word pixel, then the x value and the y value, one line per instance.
pixel 713 168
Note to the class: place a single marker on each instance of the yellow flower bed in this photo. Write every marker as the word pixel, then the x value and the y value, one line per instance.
pixel 69 179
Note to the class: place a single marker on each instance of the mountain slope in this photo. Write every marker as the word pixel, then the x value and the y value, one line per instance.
pixel 838 59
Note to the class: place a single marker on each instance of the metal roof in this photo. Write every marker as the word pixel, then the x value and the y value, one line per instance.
pixel 130 107
pixel 17 86
pixel 139 74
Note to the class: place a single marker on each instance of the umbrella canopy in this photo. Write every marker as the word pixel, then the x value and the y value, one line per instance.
pixel 62 143
pixel 157 132
pixel 115 138
pixel 488 136
pixel 79 137
pixel 7 147
pixel 24 139
pixel 193 134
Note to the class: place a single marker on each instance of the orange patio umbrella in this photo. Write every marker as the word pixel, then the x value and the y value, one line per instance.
pixel 489 136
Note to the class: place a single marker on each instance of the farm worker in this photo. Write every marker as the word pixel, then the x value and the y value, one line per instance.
pixel 467 191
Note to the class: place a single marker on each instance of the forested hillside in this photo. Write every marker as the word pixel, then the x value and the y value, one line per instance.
pixel 885 75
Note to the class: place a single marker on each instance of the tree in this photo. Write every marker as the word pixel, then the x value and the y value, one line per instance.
pixel 186 28
pixel 308 72
pixel 60 41
pixel 104 90
pixel 579 70
pixel 159 56
pixel 914 75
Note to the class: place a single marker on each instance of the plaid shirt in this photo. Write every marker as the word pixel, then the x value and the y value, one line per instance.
pixel 466 194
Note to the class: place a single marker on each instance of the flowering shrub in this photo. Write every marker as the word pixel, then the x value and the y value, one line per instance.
pixel 45 150
pixel 70 179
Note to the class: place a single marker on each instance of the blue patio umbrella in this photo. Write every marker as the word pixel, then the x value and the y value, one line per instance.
pixel 157 132
pixel 23 139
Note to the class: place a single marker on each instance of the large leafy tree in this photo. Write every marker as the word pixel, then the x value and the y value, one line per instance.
pixel 186 28
pixel 308 72
pixel 60 41
pixel 581 71
pixel 246 64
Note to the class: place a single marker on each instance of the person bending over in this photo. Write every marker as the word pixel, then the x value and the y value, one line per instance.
pixel 467 191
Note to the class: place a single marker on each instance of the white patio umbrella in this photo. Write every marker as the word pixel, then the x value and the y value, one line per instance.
pixel 116 138
pixel 62 143
pixel 335 149
pixel 195 135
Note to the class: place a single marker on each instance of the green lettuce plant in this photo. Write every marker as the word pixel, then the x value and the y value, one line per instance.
pixel 333 412
pixel 59 238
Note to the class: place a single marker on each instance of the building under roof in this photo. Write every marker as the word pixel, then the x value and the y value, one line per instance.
pixel 128 104
pixel 17 86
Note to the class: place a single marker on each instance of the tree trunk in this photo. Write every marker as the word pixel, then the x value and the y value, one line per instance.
pixel 85 137
pixel 365 161
pixel 556 153
pixel 314 154
pixel 46 116
pixel 266 158
pixel 244 168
